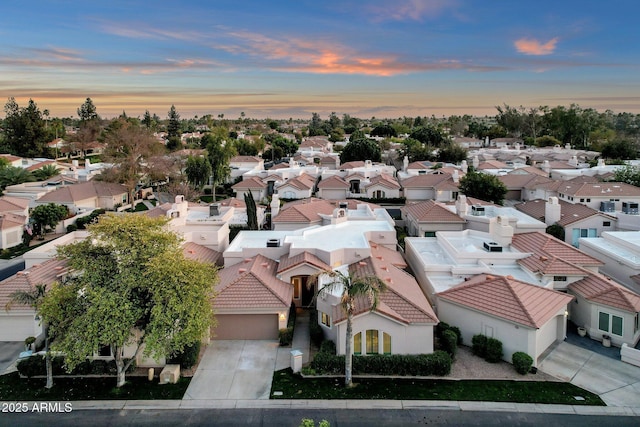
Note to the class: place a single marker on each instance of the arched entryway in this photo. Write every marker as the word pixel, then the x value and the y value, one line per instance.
pixel 303 291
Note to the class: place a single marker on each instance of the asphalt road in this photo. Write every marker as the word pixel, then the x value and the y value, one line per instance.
pixel 289 417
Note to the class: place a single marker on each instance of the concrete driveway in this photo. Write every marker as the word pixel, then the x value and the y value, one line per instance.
pixel 9 352
pixel 235 370
pixel 616 382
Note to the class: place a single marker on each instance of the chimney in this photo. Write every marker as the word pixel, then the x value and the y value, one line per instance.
pixel 501 231
pixel 476 162
pixel 573 161
pixel 461 205
pixel 455 176
pixel 464 167
pixel 275 206
pixel 601 163
pixel 546 166
pixel 75 163
pixel 567 146
pixel 87 163
pixel 405 164
pixel 552 211
pixel 214 209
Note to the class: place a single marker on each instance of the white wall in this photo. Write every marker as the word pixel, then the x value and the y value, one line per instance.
pixel 18 326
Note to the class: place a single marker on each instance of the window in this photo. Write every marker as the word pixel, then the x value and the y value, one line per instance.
pixel 372 341
pixel 581 200
pixel 606 223
pixel 603 321
pixel 104 351
pixel 559 278
pixel 429 234
pixel 616 325
pixel 357 343
pixel 588 200
pixel 636 323
pixel 386 343
pixel 297 284
pixel 326 320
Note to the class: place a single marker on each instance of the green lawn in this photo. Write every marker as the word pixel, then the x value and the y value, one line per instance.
pixel 295 387
pixel 12 387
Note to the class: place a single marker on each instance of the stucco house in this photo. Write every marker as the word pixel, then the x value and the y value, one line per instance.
pixel 87 196
pixel 299 187
pixel 308 212
pixel 382 187
pixel 252 184
pixel 524 317
pixel 333 188
pixel 434 186
pixel 428 217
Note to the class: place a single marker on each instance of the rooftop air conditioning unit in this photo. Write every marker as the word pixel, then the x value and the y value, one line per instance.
pixel 630 208
pixel 477 210
pixel 492 247
pixel 343 205
pixel 607 206
pixel 273 243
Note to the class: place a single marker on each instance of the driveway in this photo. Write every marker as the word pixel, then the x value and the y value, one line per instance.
pixel 235 370
pixel 617 383
pixel 9 352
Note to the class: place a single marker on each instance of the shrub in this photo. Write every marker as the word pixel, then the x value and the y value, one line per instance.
pixel 71 228
pixel 35 366
pixel 187 357
pixel 493 350
pixel 328 346
pixel 437 363
pixel 449 342
pixel 458 333
pixel 440 328
pixel 315 330
pixel 479 345
pixel 285 335
pixel 522 362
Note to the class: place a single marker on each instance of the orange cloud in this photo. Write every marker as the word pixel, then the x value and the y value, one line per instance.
pixel 535 47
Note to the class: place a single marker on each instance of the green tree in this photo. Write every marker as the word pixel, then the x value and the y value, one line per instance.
pixel 483 186
pixel 173 126
pixel 556 230
pixel 87 111
pixel 24 128
pixel 46 172
pixel 49 215
pixel 316 125
pixel 629 174
pixel 452 153
pixel 34 298
pixel 417 151
pixel 252 215
pixel 352 288
pixel 219 154
pixel 198 170
pixel 384 130
pixel 150 287
pixel 547 141
pixel 623 150
pixel 12 175
pixel 361 149
pixel 428 135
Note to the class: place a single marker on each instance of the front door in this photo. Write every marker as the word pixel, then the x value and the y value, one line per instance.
pixel 308 291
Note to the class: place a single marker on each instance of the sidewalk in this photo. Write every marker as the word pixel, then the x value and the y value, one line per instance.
pixel 301 341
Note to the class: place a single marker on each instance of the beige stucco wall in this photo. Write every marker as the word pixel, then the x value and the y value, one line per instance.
pixel 333 194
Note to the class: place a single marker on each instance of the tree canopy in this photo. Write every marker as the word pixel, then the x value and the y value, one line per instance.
pixel 361 149
pixel 483 186
pixel 24 129
pixel 150 287
pixel 49 215
pixel 87 111
pixel 198 170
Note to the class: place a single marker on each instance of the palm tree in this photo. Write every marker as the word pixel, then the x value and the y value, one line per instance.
pixel 46 172
pixel 34 298
pixel 352 287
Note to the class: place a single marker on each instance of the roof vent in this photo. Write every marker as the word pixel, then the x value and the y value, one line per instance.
pixel 492 247
pixel 242 270
pixel 343 205
pixel 362 263
pixel 489 277
pixel 273 243
pixel 214 209
pixel 477 210
pixel 246 260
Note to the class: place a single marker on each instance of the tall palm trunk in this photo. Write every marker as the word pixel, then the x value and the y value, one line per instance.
pixel 348 361
pixel 47 359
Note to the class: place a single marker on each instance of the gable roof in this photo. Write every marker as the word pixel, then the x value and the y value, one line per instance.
pixel 492 164
pixel 86 190
pixel 302 182
pixel 249 183
pixel 430 211
pixel 8 203
pixel 332 182
pixel 599 189
pixel 508 299
pixel 245 159
pixel 531 170
pixel 542 244
pixel 403 299
pixel 569 212
pixel 288 262
pixel 420 165
pixel 304 212
pixel 351 165
pixel 252 283
pixel 201 253
pixel 517 181
pixel 384 254
pixel 602 290
pixel 233 201
pixel 10 220
pixel 45 273
pixel 384 180
pixel 429 180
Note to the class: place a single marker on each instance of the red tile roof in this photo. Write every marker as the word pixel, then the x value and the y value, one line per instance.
pixel 333 182
pixel 304 212
pixel 46 273
pixel 569 212
pixel 86 190
pixel 384 180
pixel 508 299
pixel 517 181
pixel 384 254
pixel 232 201
pixel 245 159
pixel 602 290
pixel 305 257
pixel 10 220
pixel 252 284
pixel 492 164
pixel 201 253
pixel 13 204
pixel 545 245
pixel 430 211
pixel 429 180
pixel 351 165
pixel 249 183
pixel 302 182
pixel 600 189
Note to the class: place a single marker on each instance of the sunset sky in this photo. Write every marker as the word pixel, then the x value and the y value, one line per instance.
pixel 281 59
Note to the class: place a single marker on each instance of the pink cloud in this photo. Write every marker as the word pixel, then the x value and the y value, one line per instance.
pixel 535 47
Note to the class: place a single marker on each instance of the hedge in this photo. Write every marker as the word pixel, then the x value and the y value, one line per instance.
pixel 479 345
pixel 328 346
pixel 285 335
pixel 522 362
pixel 186 358
pixel 436 364
pixel 493 350
pixel 315 330
pixel 449 342
pixel 35 366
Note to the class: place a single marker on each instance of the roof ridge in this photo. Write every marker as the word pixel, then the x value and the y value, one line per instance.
pixel 510 284
pixel 259 278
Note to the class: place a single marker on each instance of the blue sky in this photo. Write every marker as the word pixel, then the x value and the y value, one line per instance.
pixel 281 59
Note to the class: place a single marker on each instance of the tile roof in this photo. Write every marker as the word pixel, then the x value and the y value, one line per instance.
pixel 569 212
pixel 602 290
pixel 554 164
pixel 10 220
pixel 492 164
pixel 529 169
pixel 251 182
pixel 302 182
pixel 545 245
pixel 351 165
pixel 245 159
pixel 403 299
pixel 385 254
pixel 429 180
pixel 421 165
pixel 232 201
pixel 280 166
pixel 86 190
pixel 252 284
pixel 517 181
pixel 599 189
pixel 509 299
pixel 551 266
pixel 8 203
pixel 384 180
pixel 430 211
pixel 201 253
pixel 158 211
pixel 304 212
pixel 333 182
pixel 46 273
pixel 305 257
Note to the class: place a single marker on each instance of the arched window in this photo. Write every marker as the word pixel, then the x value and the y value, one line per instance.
pixel 372 341
pixel 386 343
pixel 357 343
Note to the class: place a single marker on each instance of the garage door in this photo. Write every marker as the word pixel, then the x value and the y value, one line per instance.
pixel 246 327
pixel 16 328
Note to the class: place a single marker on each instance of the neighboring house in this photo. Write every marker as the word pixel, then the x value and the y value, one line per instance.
pixel 382 187
pixel 469 143
pixel 478 216
pixel 516 184
pixel 594 195
pixel 87 195
pixel 252 184
pixel 426 218
pixel 251 302
pixel 333 188
pixel 604 307
pixel 524 317
pixel 436 186
pixel 309 212
pixel 577 220
pixel 20 321
pixel 11 228
pixel 299 187
pixel 242 164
